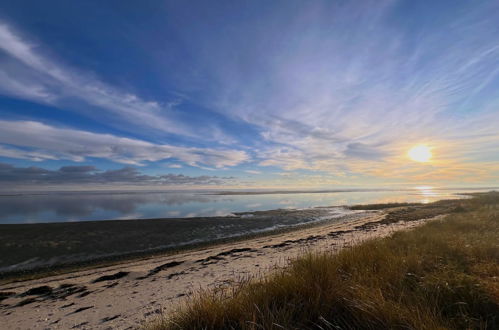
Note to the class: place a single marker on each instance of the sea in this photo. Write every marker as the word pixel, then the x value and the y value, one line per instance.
pixel 64 206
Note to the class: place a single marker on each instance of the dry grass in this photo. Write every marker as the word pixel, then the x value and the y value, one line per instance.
pixel 380 206
pixel 443 275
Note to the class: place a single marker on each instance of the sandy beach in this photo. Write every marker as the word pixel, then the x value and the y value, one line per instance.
pixel 124 295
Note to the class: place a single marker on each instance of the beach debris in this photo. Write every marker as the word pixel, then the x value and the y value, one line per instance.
pixel 169 277
pixel 77 326
pixel 111 285
pixel 311 238
pixel 114 276
pixel 26 301
pixel 81 309
pixel 341 232
pixel 46 292
pixel 109 318
pixel 68 305
pixel 206 261
pixel 226 253
pixel 160 268
pixel 84 294
pixel 5 295
pixel 65 290
pixel 279 245
pixel 38 291
pixel 156 311
pixel 219 256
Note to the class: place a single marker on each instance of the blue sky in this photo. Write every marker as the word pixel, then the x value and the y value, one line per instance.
pixel 248 93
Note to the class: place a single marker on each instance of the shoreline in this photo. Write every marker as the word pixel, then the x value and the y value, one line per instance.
pixel 125 294
pixel 137 239
pixel 41 272
pixel 57 233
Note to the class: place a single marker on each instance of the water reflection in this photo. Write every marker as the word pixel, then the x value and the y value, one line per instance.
pixel 56 207
pixel 85 206
pixel 427 193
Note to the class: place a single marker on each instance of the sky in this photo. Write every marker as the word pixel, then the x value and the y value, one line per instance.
pixel 248 94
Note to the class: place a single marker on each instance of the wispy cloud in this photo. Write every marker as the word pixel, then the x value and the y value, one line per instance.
pixel 37 141
pixel 354 83
pixel 29 74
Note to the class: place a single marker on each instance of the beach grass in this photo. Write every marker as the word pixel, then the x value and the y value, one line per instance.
pixel 442 275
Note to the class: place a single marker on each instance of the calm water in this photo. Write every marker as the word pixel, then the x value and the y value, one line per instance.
pixel 82 206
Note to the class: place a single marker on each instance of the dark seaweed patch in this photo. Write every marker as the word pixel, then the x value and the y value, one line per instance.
pixel 38 291
pixel 115 276
pixel 161 268
pixel 81 309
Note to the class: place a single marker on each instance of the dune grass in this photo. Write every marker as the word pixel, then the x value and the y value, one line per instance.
pixel 442 275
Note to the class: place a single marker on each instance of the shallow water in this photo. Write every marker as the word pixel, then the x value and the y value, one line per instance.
pixel 84 206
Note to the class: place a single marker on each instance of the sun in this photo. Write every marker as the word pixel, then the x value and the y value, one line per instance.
pixel 420 153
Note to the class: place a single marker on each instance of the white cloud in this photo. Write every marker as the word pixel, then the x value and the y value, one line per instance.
pixel 28 155
pixel 253 172
pixel 37 141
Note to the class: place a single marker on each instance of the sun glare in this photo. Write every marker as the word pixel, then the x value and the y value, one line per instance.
pixel 420 153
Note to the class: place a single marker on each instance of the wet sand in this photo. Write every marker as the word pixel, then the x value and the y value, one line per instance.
pixel 124 295
pixel 48 246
